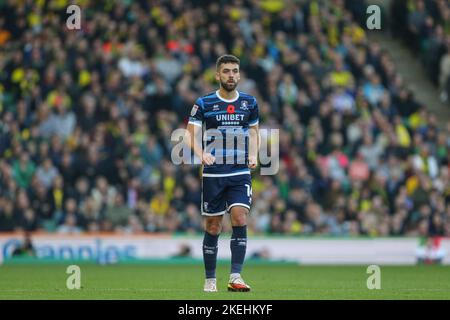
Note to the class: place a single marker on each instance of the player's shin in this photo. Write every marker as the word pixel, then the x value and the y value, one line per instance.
pixel 238 247
pixel 210 249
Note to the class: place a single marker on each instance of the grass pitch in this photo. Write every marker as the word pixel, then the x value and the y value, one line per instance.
pixel 185 281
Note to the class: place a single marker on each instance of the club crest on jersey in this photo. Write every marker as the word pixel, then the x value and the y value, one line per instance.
pixel 230 108
pixel 194 110
pixel 244 105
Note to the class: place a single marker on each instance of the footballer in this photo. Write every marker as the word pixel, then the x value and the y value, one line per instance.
pixel 226 179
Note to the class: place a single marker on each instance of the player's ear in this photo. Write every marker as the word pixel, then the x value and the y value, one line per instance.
pixel 217 75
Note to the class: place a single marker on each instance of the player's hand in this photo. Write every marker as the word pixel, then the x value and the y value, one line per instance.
pixel 208 159
pixel 252 162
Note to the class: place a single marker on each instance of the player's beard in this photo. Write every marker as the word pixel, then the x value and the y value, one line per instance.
pixel 228 86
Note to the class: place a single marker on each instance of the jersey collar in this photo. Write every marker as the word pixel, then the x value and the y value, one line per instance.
pixel 225 100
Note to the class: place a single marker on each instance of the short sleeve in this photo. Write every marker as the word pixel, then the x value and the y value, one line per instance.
pixel 253 120
pixel 196 115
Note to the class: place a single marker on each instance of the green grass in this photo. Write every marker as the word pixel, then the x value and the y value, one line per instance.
pixel 185 281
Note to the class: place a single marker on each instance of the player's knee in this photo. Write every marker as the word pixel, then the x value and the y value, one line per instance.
pixel 213 227
pixel 239 216
pixel 240 221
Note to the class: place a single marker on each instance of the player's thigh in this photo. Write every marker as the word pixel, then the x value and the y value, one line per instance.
pixel 238 215
pixel 213 196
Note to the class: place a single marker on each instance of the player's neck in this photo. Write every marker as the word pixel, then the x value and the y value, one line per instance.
pixel 227 95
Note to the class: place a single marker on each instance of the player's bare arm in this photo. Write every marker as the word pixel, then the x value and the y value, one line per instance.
pixel 254 142
pixel 194 133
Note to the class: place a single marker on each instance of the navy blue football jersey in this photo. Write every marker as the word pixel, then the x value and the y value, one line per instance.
pixel 226 123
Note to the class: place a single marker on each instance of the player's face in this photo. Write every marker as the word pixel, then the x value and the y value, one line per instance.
pixel 228 76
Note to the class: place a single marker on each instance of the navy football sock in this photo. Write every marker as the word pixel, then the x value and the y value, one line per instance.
pixel 210 254
pixel 238 247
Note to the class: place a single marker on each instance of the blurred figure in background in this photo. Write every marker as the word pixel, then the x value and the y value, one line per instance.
pixel 26 248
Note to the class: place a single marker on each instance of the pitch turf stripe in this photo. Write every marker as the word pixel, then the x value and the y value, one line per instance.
pixel 85 290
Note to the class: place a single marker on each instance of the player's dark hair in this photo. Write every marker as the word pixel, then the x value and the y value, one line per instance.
pixel 227 58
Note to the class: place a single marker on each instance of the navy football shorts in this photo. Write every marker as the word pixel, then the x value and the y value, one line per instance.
pixel 220 194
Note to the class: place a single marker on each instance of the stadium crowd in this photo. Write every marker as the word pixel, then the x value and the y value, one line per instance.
pixel 87 115
pixel 425 27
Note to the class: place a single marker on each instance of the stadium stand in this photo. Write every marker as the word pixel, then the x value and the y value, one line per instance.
pixel 425 27
pixel 86 118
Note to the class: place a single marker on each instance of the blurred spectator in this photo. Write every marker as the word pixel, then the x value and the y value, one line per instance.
pixel 191 222
pixel 46 173
pixel 69 226
pixel 103 194
pixel 7 221
pixel 23 170
pixel 118 213
pixel 26 248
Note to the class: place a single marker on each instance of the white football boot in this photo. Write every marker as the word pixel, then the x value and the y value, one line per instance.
pixel 210 285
